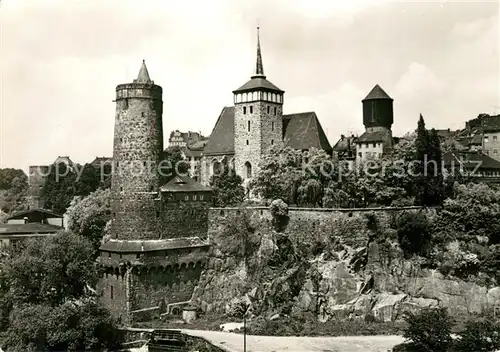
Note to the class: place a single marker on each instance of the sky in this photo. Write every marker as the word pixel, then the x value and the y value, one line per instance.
pixel 60 62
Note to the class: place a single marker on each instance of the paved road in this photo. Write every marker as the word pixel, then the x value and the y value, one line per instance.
pixel 234 342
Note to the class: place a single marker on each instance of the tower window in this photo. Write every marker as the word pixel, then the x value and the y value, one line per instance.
pixel 247 141
pixel 272 124
pixel 244 110
pixel 272 141
pixel 142 114
pixel 275 109
pixel 268 109
pixel 157 214
pixel 248 126
pixel 121 189
pixel 121 140
pixel 251 109
pixel 111 292
pixel 248 169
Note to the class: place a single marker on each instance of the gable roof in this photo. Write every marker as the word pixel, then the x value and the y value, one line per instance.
pixel 303 131
pixel 371 137
pixel 184 184
pixel 377 93
pixel 300 131
pixel 222 137
pixel 22 214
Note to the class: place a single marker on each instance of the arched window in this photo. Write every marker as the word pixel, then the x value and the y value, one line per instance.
pixel 254 96
pixel 216 166
pixel 248 170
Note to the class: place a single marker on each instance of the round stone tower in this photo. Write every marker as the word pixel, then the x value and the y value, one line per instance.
pixel 377 110
pixel 137 150
pixel 258 120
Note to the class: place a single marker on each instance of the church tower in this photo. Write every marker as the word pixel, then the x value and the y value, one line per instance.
pixel 258 119
pixel 137 148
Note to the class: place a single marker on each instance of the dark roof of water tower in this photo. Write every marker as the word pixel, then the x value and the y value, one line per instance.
pixel 377 93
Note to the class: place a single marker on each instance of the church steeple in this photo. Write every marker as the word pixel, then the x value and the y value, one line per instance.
pixel 143 76
pixel 259 69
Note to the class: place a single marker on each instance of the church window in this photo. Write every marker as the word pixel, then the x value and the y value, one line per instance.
pixel 251 109
pixel 247 141
pixel 275 109
pixel 248 170
pixel 248 123
pixel 272 125
pixel 268 109
pixel 244 110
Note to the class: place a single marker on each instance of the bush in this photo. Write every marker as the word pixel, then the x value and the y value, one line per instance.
pixel 429 329
pixel 279 212
pixel 479 336
pixel 414 233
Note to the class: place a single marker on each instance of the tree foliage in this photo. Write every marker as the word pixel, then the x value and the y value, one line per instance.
pixel 414 233
pixel 174 163
pixel 429 329
pixel 13 190
pixel 66 182
pixel 89 216
pixel 227 186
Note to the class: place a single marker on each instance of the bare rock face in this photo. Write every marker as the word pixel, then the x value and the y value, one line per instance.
pixel 371 281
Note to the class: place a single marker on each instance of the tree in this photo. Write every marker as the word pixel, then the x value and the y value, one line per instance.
pixel 429 330
pixel 227 187
pixel 414 233
pixel 13 190
pixel 45 301
pixel 89 216
pixel 174 163
pixel 428 171
pixel 52 270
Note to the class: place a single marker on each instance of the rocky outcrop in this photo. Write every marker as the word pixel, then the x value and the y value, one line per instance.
pixel 373 281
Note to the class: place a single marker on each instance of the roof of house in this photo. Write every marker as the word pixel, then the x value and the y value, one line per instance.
pixel 222 138
pixel 114 245
pixel 470 160
pixel 371 137
pixel 22 214
pixel 29 228
pixel 487 122
pixel 100 160
pixel 300 131
pixel 343 143
pixel 377 93
pixel 184 184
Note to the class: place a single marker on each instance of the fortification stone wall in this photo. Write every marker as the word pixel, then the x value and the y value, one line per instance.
pixel 266 129
pixel 183 219
pixel 306 220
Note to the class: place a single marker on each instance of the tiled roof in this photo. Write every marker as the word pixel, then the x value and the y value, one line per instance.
pixel 184 184
pixel 29 228
pixel 258 83
pixel 342 144
pixel 22 214
pixel 222 138
pixel 114 245
pixel 377 93
pixel 301 131
pixel 370 137
pixel 471 160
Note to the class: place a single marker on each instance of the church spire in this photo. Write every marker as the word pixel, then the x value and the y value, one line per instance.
pixel 143 76
pixel 259 69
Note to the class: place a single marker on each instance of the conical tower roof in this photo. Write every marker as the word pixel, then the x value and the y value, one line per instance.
pixel 143 76
pixel 377 93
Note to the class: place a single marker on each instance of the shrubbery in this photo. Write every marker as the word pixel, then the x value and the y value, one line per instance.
pixel 430 331
pixel 414 233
